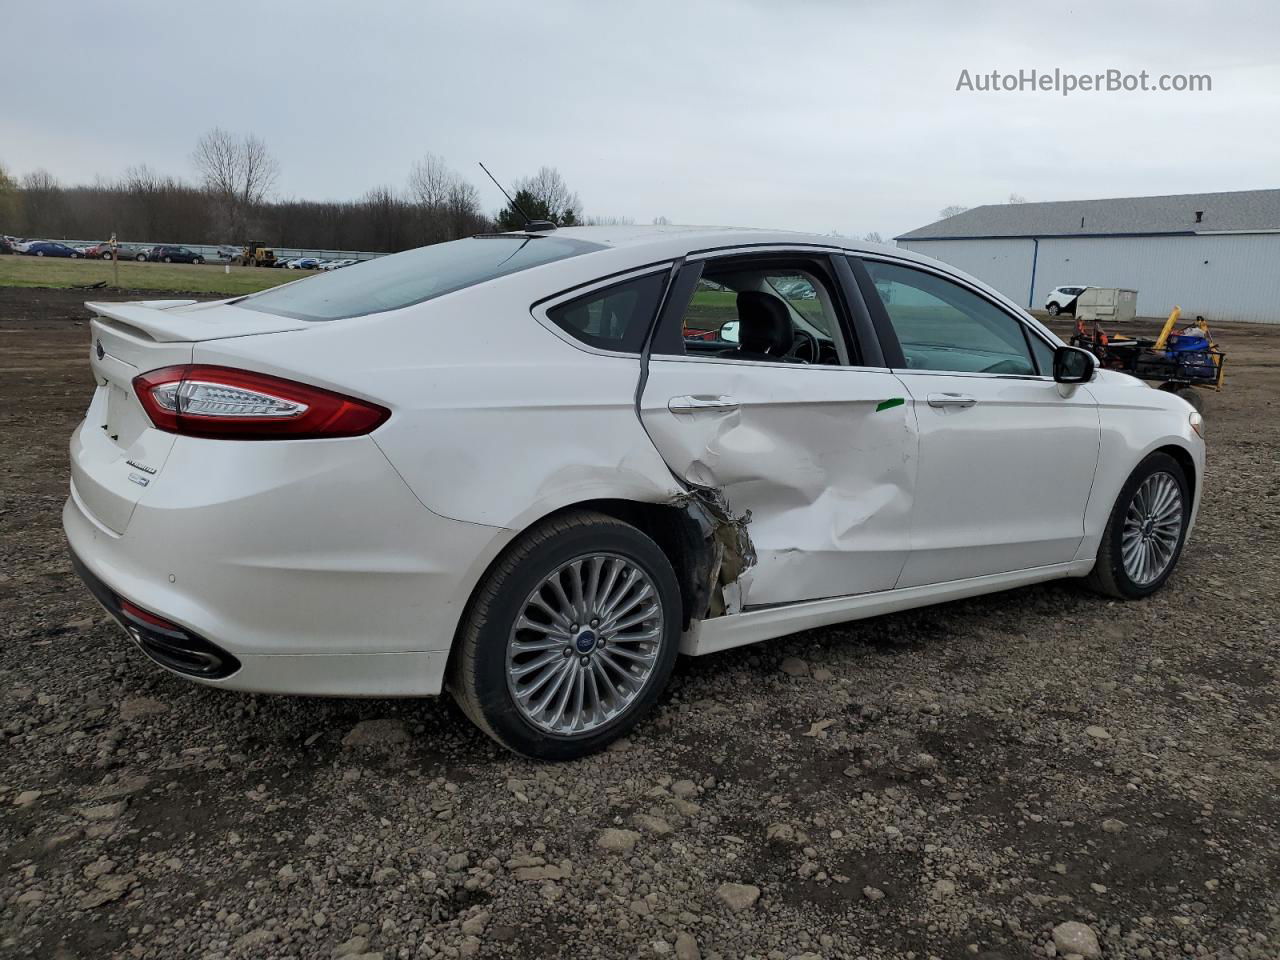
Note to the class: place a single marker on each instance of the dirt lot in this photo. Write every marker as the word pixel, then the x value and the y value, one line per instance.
pixel 954 782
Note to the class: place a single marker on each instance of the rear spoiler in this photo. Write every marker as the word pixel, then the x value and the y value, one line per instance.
pixel 172 321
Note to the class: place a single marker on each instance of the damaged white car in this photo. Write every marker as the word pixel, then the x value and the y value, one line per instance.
pixel 533 467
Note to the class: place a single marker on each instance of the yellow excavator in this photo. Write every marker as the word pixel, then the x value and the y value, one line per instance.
pixel 255 254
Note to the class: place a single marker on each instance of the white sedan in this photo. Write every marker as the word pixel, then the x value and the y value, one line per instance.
pixel 529 467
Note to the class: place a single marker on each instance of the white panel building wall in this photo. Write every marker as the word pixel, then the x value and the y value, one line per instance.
pixel 1221 276
pixel 1224 277
pixel 1003 264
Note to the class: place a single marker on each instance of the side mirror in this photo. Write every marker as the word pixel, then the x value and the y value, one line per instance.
pixel 1073 365
pixel 729 331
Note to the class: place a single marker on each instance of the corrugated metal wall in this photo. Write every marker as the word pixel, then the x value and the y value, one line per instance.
pixel 1225 277
pixel 1004 264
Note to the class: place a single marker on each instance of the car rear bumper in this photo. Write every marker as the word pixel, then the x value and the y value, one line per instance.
pixel 306 568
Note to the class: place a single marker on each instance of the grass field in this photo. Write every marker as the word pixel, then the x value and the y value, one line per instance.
pixel 710 308
pixel 185 277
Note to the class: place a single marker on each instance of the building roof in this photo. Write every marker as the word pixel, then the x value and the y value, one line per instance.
pixel 1246 211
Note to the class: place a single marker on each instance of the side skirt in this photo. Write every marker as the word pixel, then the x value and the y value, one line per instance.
pixel 752 626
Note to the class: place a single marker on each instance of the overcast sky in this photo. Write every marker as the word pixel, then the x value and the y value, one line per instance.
pixel 807 114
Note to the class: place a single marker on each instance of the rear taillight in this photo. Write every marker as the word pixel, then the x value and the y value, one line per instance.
pixel 228 404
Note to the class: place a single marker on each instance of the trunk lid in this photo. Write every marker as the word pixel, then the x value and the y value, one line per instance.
pixel 116 454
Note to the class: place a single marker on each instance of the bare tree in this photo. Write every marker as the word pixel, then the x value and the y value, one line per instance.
pixel 549 187
pixel 610 221
pixel 874 237
pixel 9 199
pixel 661 222
pixel 951 211
pixel 430 181
pixel 258 172
pixel 238 173
pixel 1017 198
pixel 462 206
pixel 447 206
pixel 44 205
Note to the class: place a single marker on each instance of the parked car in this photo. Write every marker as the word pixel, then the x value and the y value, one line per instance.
pixel 1063 299
pixel 6 246
pixel 125 251
pixel 169 254
pixel 303 263
pixel 540 518
pixel 20 244
pixel 51 248
pixel 336 264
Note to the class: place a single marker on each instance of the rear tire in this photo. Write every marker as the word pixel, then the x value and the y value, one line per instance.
pixel 1113 574
pixel 485 672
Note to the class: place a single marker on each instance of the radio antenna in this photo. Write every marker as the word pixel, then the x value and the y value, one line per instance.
pixel 530 225
pixel 520 210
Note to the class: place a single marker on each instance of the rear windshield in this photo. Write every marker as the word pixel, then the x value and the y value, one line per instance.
pixel 403 279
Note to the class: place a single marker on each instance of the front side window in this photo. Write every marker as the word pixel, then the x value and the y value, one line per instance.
pixel 1043 354
pixel 616 318
pixel 942 326
pixel 403 279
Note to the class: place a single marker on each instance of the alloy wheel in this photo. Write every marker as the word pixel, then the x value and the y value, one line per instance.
pixel 584 645
pixel 1152 529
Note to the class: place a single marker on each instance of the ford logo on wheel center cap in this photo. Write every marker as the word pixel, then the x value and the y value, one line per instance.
pixel 586 641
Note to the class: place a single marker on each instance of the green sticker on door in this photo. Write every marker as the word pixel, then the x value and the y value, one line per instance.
pixel 890 403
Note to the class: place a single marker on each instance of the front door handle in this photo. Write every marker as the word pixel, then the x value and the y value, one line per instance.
pixel 690 404
pixel 951 400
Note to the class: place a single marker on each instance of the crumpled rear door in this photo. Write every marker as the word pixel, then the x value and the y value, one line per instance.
pixel 822 457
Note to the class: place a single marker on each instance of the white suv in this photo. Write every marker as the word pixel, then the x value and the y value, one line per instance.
pixel 1063 299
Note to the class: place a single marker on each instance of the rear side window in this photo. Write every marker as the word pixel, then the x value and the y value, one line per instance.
pixel 403 279
pixel 616 318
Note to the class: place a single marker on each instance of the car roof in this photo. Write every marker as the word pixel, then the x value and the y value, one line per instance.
pixel 669 239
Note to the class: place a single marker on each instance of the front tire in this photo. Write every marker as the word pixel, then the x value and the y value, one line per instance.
pixel 1191 395
pixel 569 639
pixel 1053 309
pixel 1144 536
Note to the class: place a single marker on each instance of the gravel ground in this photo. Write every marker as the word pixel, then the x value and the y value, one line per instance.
pixel 1029 774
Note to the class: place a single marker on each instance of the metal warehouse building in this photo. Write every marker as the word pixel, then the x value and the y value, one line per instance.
pixel 1214 254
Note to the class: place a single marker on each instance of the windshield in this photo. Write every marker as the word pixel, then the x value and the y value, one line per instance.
pixel 403 279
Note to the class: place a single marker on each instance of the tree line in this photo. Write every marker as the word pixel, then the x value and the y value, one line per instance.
pixel 232 200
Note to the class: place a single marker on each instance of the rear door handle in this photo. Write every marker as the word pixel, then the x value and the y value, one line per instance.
pixel 691 404
pixel 951 400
